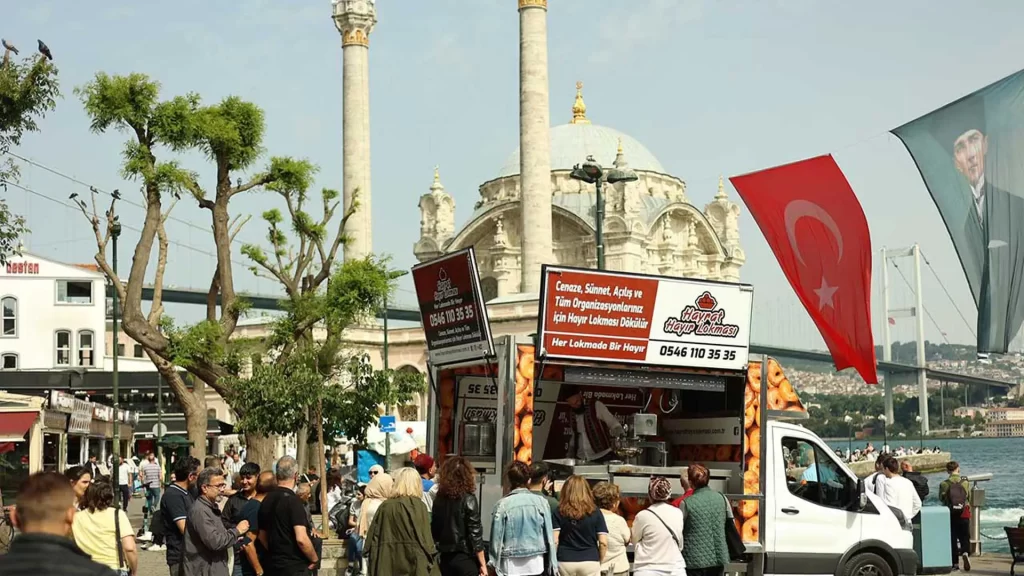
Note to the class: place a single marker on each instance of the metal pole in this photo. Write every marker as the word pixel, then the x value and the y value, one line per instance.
pixel 117 427
pixel 599 225
pixel 850 447
pixel 887 347
pixel 159 410
pixel 922 365
pixel 387 405
pixel 885 435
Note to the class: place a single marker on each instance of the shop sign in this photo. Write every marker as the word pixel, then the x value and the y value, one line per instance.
pixel 55 420
pixel 451 307
pixel 81 417
pixel 103 413
pixel 617 317
pixel 25 268
pixel 62 402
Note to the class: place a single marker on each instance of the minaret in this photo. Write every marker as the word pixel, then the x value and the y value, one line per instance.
pixel 534 142
pixel 354 20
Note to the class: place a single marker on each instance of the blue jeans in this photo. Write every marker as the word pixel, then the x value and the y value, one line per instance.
pixel 152 501
pixel 237 570
pixel 354 549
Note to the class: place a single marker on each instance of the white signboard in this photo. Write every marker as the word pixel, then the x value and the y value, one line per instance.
pixel 635 319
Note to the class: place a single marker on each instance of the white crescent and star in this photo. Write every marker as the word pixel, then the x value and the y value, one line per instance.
pixel 798 209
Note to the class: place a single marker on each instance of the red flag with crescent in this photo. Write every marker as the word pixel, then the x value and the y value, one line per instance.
pixel 816 227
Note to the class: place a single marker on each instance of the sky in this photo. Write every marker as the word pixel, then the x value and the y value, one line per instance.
pixel 711 88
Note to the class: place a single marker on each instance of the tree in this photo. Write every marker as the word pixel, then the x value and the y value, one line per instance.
pixel 312 377
pixel 28 90
pixel 131 104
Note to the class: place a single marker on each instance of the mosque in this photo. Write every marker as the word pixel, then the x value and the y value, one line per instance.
pixel 531 212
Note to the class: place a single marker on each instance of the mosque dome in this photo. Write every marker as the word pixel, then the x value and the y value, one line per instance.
pixel 571 144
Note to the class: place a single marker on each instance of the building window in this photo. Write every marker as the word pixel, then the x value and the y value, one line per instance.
pixel 85 348
pixel 8 361
pixel 137 352
pixel 120 349
pixel 63 348
pixel 9 315
pixel 74 291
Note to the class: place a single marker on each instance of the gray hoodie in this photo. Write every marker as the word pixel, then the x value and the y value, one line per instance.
pixel 207 541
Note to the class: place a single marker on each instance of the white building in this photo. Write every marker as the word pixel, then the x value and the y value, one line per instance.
pixel 53 315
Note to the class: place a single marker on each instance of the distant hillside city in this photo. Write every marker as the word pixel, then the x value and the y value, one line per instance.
pixel 954 409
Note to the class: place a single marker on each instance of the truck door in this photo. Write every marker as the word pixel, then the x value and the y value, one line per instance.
pixel 811 497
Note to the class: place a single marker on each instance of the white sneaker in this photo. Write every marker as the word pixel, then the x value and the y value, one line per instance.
pixel 145 537
pixel 157 548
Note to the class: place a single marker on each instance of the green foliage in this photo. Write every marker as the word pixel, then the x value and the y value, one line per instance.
pixel 231 132
pixel 28 90
pixel 351 412
pixel 201 341
pixel 290 175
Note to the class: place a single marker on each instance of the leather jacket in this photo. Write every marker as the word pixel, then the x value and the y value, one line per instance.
pixel 456 526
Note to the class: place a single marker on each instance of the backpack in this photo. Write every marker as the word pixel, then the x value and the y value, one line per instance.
pixel 958 500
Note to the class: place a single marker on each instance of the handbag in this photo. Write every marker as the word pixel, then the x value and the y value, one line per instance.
pixel 733 540
pixel 122 568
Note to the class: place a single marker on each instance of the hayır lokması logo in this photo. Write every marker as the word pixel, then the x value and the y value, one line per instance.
pixel 445 290
pixel 702 318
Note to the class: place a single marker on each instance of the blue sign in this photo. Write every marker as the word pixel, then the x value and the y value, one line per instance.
pixel 387 424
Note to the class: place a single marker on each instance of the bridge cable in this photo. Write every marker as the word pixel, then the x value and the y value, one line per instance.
pixel 927 313
pixel 948 295
pixel 123 225
pixel 123 199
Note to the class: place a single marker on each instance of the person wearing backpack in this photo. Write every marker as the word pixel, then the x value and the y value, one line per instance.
pixel 953 493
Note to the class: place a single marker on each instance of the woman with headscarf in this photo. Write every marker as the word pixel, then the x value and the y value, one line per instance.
pixel 704 513
pixel 658 534
pixel 399 540
pixel 377 491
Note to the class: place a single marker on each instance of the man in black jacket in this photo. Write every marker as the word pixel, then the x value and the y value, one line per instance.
pixel 44 514
pixel 919 480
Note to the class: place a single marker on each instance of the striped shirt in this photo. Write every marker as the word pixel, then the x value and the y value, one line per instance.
pixel 150 472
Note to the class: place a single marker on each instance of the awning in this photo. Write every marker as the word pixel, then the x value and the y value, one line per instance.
pixel 14 425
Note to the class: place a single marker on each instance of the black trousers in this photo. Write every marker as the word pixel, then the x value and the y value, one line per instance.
pixel 126 496
pixel 712 571
pixel 459 564
pixel 960 536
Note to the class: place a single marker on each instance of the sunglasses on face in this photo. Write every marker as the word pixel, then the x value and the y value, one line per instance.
pixel 374 473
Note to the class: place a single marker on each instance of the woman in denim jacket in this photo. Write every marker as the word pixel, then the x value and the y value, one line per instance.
pixel 522 542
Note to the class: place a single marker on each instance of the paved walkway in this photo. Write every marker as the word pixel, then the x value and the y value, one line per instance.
pixel 150 563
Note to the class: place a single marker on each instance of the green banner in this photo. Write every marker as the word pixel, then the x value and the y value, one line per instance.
pixel 971 156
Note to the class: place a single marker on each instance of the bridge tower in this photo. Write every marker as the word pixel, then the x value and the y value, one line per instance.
pixel 916 312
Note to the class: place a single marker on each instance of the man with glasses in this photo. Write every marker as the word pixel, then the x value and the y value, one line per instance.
pixel 207 539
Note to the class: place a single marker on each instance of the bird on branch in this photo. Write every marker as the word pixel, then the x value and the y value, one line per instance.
pixel 8 46
pixel 45 50
pixel 73 196
pixel 116 194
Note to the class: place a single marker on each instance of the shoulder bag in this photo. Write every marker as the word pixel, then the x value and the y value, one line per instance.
pixel 679 545
pixel 732 534
pixel 122 566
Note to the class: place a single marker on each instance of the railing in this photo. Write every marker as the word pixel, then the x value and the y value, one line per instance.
pixel 977 499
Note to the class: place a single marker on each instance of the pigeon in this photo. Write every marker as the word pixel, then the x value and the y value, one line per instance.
pixel 45 50
pixel 9 46
pixel 116 194
pixel 73 196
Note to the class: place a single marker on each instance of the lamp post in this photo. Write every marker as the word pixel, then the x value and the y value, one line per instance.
pixel 920 432
pixel 592 173
pixel 115 231
pixel 392 276
pixel 849 423
pixel 885 437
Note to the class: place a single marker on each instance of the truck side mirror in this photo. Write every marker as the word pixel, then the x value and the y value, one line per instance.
pixel 862 497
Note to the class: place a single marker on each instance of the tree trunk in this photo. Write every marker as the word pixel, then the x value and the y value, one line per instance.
pixel 302 447
pixel 193 403
pixel 325 524
pixel 261 450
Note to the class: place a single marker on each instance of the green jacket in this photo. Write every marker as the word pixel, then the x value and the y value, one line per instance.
pixel 399 540
pixel 944 487
pixel 704 544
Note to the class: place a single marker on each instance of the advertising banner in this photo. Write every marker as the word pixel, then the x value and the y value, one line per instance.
pixel 452 310
pixel 969 154
pixel 629 318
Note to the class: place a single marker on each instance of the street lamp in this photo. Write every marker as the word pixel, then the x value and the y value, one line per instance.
pixel 592 173
pixel 849 422
pixel 392 276
pixel 920 431
pixel 115 232
pixel 885 437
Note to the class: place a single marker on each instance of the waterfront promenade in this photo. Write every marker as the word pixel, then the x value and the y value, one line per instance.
pixel 923 463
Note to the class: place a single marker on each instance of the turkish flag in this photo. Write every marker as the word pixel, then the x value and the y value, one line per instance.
pixel 814 224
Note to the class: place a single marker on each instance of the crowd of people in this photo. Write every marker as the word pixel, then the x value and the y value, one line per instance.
pixel 420 523
pixel 870 454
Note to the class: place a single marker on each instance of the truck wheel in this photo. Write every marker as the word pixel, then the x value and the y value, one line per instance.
pixel 867 564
